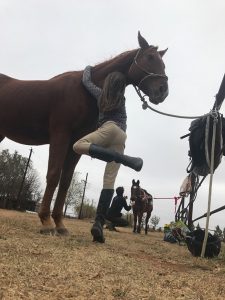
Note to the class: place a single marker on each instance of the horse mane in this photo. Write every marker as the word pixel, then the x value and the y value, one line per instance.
pixel 65 74
pixel 120 60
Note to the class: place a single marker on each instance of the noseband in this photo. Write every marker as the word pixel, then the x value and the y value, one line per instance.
pixel 151 75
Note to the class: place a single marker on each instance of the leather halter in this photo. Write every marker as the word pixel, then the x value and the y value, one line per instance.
pixel 153 75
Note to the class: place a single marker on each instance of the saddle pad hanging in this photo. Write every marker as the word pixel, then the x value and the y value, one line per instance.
pixel 200 142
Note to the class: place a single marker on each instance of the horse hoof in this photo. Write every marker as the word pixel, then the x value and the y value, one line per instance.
pixel 62 232
pixel 47 231
pixel 99 239
pixel 97 233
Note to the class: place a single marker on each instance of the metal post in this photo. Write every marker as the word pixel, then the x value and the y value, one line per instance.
pixel 82 200
pixel 182 208
pixel 192 195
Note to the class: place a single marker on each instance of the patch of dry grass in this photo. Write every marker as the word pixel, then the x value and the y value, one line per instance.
pixel 127 266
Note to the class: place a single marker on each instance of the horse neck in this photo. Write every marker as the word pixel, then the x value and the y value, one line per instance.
pixel 120 63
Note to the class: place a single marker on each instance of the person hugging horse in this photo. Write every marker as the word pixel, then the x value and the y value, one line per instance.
pixel 107 143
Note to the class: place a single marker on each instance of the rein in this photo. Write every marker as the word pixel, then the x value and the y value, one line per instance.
pixel 145 105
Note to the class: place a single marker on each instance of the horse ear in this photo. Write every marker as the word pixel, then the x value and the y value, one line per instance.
pixel 142 42
pixel 138 182
pixel 162 52
pixel 133 181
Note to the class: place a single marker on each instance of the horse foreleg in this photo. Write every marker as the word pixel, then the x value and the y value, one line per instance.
pixel 57 152
pixel 146 221
pixel 67 173
pixel 135 221
pixel 140 215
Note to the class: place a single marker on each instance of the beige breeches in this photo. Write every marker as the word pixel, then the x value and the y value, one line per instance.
pixel 110 136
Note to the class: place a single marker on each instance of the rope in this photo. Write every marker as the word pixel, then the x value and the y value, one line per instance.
pixel 168 198
pixel 145 105
pixel 210 187
pixel 174 198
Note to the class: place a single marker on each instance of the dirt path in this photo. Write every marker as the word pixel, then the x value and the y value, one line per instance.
pixel 127 266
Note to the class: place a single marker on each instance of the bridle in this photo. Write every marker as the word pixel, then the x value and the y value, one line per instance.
pixel 136 193
pixel 151 75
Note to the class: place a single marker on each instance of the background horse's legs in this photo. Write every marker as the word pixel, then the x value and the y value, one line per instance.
pixel 135 221
pixel 57 152
pixel 67 173
pixel 148 215
pixel 140 215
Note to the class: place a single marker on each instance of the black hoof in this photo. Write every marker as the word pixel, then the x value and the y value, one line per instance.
pixel 62 232
pixel 99 239
pixel 97 233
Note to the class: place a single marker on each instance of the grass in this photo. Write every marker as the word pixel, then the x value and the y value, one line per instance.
pixel 127 266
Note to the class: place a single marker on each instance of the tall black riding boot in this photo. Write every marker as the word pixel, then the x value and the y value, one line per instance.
pixel 103 205
pixel 109 155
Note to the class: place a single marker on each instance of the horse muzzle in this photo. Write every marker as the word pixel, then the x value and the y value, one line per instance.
pixel 157 96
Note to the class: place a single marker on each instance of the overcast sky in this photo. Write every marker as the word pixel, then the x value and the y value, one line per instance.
pixel 43 38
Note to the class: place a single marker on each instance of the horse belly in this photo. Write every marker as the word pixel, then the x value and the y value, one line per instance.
pixel 23 118
pixel 28 134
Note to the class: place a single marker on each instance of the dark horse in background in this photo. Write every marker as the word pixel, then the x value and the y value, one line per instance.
pixel 142 202
pixel 59 111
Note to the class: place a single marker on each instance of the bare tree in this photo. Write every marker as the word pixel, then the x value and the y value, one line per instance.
pixel 154 221
pixel 88 209
pixel 12 168
pixel 74 193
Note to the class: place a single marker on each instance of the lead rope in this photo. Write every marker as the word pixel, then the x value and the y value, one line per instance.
pixel 145 105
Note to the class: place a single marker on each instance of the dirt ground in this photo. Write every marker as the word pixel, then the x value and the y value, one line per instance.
pixel 127 266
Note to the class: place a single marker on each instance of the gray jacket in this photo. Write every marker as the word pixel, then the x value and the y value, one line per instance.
pixel 118 116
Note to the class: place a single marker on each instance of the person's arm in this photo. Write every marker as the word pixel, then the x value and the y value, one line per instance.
pixel 125 206
pixel 93 89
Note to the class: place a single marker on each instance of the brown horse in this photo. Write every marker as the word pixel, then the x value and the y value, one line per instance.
pixel 142 202
pixel 59 111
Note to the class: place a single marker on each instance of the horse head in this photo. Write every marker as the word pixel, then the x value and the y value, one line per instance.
pixel 136 191
pixel 147 71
